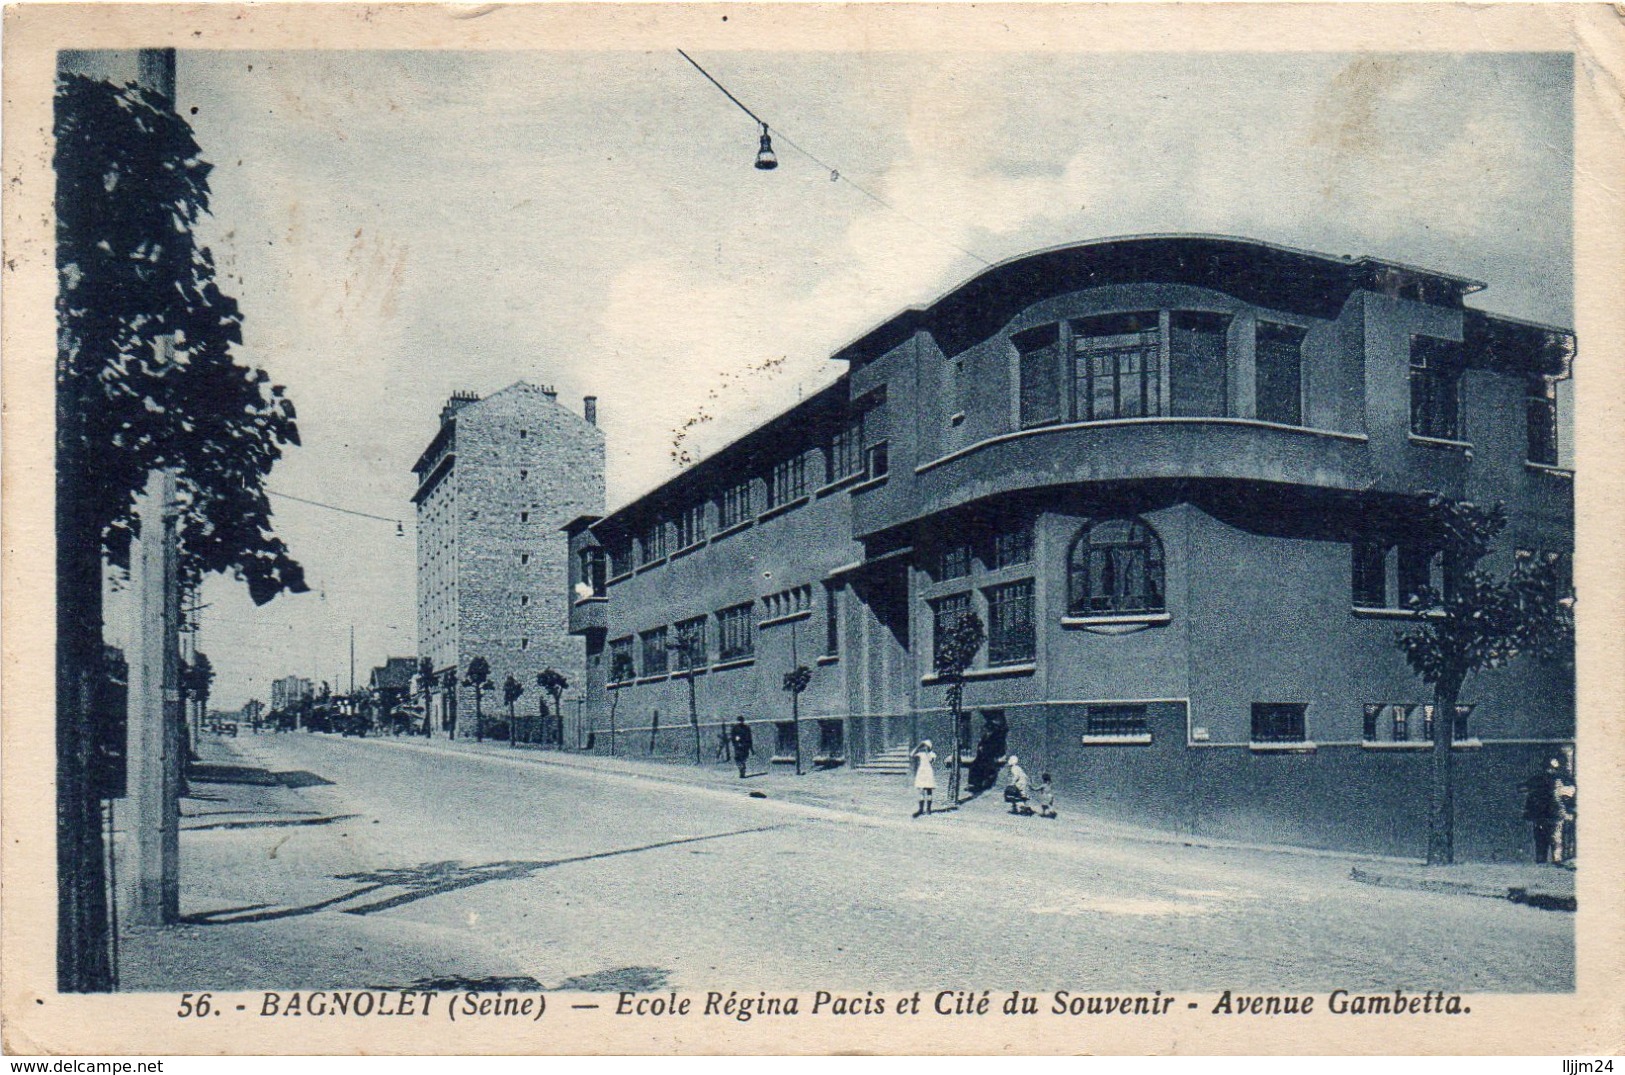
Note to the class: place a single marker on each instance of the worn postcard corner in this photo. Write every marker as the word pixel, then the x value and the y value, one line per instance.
pixel 812 528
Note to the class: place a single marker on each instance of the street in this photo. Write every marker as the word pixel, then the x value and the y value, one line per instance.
pixel 489 863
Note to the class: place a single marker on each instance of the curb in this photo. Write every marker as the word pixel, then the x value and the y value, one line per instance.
pixel 1545 901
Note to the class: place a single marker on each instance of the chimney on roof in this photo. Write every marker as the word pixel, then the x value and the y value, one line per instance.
pixel 589 409
pixel 550 392
pixel 457 402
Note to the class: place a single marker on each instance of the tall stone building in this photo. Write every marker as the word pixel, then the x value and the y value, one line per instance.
pixel 495 487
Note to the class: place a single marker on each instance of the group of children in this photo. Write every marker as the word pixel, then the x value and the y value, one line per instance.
pixel 1018 791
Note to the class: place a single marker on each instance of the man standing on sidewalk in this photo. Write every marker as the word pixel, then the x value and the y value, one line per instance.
pixel 739 736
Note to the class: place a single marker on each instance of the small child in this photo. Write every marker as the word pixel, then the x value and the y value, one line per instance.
pixel 1045 794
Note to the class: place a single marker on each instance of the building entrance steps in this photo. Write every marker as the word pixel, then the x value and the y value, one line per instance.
pixel 894 762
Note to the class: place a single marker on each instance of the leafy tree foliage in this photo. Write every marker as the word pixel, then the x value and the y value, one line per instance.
pixel 1479 621
pixel 956 651
pixel 478 677
pixel 146 376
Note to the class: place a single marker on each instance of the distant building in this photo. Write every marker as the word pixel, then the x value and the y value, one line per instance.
pixel 1172 476
pixel 252 712
pixel 391 681
pixel 288 692
pixel 495 488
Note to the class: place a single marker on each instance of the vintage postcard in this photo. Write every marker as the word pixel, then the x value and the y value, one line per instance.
pixel 812 528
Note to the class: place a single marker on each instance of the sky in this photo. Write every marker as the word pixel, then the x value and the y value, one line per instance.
pixel 401 225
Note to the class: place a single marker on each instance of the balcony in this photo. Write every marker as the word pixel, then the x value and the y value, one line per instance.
pixel 1122 450
pixel 589 614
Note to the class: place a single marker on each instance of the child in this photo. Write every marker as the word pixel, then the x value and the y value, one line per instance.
pixel 1045 793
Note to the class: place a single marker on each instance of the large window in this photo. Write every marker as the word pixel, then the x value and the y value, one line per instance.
pixel 1197 383
pixel 690 526
pixel 787 481
pixel 945 613
pixel 1541 396
pixel 654 652
pixel 1118 366
pixel 953 561
pixel 1115 565
pixel 734 507
pixel 1011 638
pixel 620 557
pixel 736 638
pixel 1040 370
pixel 652 544
pixel 691 651
pixel 621 668
pixel 1436 367
pixel 1115 720
pixel 845 454
pixel 1012 544
pixel 592 570
pixel 1370 569
pixel 1279 722
pixel 1278 373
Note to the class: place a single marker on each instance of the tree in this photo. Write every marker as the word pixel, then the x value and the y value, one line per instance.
pixel 796 681
pixel 620 670
pixel 690 651
pixel 554 684
pixel 479 677
pixel 145 380
pixel 426 684
pixel 512 690
pixel 448 683
pixel 1477 622
pixel 956 651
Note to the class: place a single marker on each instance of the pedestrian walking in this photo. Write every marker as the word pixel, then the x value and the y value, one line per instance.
pixel 925 775
pixel 1019 789
pixel 1544 808
pixel 739 737
pixel 1045 793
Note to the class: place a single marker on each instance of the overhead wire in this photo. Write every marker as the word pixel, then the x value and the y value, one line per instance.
pixel 335 507
pixel 835 174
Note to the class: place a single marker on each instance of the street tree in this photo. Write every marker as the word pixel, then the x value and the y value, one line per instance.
pixel 512 690
pixel 1477 622
pixel 553 683
pixel 448 683
pixel 956 651
pixel 620 670
pixel 478 677
pixel 146 379
pixel 796 681
pixel 426 685
pixel 689 650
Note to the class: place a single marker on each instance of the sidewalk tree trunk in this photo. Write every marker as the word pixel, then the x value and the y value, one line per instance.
pixel 512 691
pixel 955 653
pixel 479 677
pixel 1478 621
pixel 145 381
pixel 554 683
pixel 426 682
pixel 620 670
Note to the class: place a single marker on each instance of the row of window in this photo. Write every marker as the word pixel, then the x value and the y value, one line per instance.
pixel 1011 635
pixel 1010 544
pixel 657 651
pixel 1285 722
pixel 858 448
pixel 787 602
pixel 1099 368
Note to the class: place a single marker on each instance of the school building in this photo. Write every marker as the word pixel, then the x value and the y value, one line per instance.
pixel 1172 475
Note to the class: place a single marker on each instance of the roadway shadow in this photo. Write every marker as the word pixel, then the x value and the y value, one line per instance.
pixel 413 883
pixel 218 773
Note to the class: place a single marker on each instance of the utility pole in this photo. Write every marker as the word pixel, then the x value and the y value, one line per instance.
pixel 352 659
pixel 155 755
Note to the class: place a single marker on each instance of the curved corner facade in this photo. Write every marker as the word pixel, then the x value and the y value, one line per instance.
pixel 1172 477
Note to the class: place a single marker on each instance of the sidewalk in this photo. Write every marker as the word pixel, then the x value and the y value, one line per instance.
pixel 264 878
pixel 875 795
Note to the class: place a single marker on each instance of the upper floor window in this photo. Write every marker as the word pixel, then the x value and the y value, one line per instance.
pixel 832 621
pixel 654 652
pixel 1436 367
pixel 691 651
pixel 1040 373
pixel 1278 373
pixel 1198 380
pixel 953 561
pixel 690 526
pixel 1118 366
pixel 946 612
pixel 1541 407
pixel 621 667
pixel 1386 574
pixel 620 557
pixel 1115 565
pixel 592 570
pixel 1012 544
pixel 734 506
pixel 844 457
pixel 787 481
pixel 1011 636
pixel 735 638
pixel 652 544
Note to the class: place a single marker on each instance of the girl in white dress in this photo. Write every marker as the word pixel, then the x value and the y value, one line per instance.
pixel 925 776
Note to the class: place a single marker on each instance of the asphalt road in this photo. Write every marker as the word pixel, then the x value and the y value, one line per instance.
pixel 608 880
